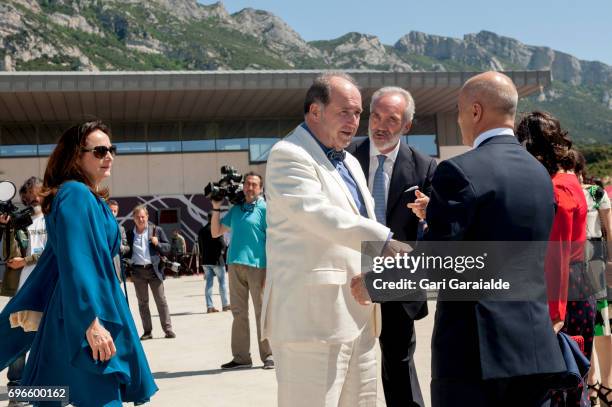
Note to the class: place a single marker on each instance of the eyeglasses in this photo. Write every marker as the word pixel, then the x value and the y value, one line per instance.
pixel 101 151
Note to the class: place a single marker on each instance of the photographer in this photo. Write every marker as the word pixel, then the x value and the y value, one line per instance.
pixel 25 248
pixel 246 259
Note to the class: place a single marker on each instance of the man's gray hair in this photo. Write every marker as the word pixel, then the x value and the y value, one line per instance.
pixel 396 90
pixel 320 90
pixel 139 208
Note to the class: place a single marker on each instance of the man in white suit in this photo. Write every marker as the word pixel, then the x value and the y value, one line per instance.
pixel 319 212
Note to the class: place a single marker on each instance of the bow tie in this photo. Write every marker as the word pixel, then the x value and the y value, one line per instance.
pixel 334 155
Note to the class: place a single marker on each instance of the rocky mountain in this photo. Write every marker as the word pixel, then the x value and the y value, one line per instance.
pixel 361 51
pixel 184 34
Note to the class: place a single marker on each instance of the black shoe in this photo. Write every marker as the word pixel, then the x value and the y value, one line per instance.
pixel 268 364
pixel 170 335
pixel 235 365
pixel 145 336
pixel 593 390
pixel 604 395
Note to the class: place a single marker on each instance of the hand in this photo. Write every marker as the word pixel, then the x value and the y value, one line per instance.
pixel 359 290
pixel 419 206
pixel 16 263
pixel 154 240
pixel 4 219
pixel 393 247
pixel 557 325
pixel 216 204
pixel 100 342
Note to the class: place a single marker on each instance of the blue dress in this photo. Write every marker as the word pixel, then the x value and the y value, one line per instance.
pixel 73 283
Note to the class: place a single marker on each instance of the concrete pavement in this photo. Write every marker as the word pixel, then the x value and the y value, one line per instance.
pixel 186 368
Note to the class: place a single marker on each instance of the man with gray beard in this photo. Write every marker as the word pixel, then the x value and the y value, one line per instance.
pixel 391 167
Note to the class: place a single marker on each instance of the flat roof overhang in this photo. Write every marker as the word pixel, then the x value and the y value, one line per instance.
pixel 210 95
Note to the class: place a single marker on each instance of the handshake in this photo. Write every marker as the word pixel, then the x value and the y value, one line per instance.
pixel 391 249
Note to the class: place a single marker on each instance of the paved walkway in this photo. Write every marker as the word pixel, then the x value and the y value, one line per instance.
pixel 187 370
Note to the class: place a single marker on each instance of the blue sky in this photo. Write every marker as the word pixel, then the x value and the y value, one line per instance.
pixel 580 28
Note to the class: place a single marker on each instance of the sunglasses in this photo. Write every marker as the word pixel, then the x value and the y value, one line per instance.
pixel 101 151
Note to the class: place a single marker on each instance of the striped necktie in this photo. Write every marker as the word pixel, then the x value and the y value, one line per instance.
pixel 378 191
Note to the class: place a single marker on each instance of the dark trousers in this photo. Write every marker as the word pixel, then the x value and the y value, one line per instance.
pixel 15 370
pixel 523 391
pixel 397 345
pixel 144 278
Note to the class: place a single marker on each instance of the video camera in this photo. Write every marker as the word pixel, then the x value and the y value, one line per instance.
pixel 19 218
pixel 229 186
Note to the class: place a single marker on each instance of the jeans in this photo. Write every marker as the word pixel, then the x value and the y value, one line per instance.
pixel 15 370
pixel 211 272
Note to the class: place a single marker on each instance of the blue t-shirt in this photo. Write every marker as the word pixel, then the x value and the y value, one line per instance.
pixel 248 242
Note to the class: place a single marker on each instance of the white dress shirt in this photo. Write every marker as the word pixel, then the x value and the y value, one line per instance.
pixel 140 249
pixel 500 131
pixel 387 167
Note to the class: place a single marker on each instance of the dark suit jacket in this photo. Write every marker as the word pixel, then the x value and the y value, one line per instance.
pixel 411 168
pixel 497 192
pixel 211 249
pixel 162 248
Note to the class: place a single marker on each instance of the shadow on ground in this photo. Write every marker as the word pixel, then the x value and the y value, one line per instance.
pixel 173 375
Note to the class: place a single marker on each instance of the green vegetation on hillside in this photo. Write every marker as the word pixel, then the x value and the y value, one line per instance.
pixel 598 158
pixel 55 6
pixel 330 45
pixel 203 45
pixel 579 109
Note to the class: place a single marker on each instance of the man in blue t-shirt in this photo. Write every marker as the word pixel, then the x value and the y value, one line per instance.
pixel 246 259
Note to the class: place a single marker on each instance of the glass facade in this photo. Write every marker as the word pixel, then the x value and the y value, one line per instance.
pixel 255 136
pixel 232 144
pixel 198 145
pixel 425 143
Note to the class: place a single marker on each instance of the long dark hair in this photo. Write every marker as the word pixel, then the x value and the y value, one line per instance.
pixel 63 163
pixel 541 134
pixel 580 168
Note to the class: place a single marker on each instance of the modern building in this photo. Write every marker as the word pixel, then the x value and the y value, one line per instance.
pixel 174 130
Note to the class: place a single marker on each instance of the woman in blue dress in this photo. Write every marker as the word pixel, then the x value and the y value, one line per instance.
pixel 71 314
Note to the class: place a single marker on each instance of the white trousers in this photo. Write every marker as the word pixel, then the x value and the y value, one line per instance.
pixel 314 374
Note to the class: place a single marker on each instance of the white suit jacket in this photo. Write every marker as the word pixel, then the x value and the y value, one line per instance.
pixel 313 245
